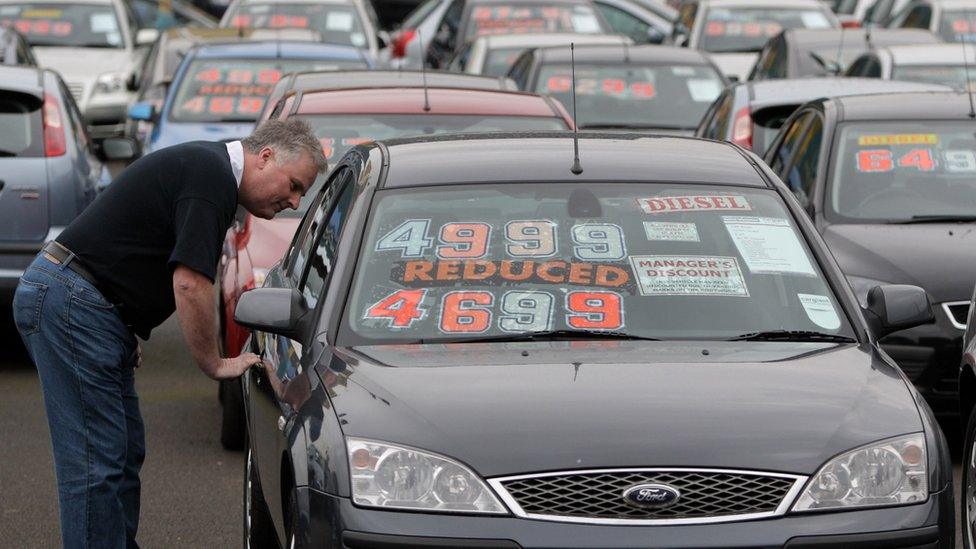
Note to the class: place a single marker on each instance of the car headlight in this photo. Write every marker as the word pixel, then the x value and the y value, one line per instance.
pixel 110 82
pixel 259 276
pixel 862 286
pixel 391 476
pixel 891 472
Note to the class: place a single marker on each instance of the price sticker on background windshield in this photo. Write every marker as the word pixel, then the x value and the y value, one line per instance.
pixel 611 87
pixel 920 159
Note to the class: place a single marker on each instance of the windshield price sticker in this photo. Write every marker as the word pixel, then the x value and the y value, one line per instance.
pixel 671 232
pixel 277 21
pixel 329 147
pixel 688 275
pixel 898 139
pixel 613 87
pixel 754 29
pixel 820 310
pixel 768 245
pixel 923 160
pixel 39 27
pixel 690 203
pixel 422 273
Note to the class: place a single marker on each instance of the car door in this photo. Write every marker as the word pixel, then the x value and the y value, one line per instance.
pixel 270 408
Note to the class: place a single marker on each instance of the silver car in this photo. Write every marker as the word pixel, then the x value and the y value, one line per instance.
pixel 493 55
pixel 95 46
pixel 932 63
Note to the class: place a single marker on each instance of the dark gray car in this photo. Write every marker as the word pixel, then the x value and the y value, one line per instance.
pixel 49 170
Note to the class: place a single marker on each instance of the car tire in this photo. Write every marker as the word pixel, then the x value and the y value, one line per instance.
pixel 967 507
pixel 233 431
pixel 259 531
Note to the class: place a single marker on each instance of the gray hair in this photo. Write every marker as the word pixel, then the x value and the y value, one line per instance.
pixel 289 139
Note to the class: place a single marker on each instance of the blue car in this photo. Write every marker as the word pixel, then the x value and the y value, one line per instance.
pixel 219 90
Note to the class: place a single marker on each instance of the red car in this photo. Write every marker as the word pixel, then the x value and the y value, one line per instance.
pixel 341 119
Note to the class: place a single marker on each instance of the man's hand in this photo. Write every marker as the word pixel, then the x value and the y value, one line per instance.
pixel 232 368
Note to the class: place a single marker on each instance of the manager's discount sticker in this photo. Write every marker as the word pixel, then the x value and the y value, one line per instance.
pixel 688 275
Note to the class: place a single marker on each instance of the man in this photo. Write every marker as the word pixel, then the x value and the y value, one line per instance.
pixel 150 244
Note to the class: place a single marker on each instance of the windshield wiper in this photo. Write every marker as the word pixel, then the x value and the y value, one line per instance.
pixel 792 335
pixel 551 335
pixel 937 218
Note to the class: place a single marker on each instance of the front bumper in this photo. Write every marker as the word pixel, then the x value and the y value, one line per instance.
pixel 330 521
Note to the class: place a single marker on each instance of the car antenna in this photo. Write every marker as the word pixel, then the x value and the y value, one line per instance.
pixel 626 53
pixel 577 167
pixel 840 50
pixel 423 69
pixel 867 37
pixel 969 81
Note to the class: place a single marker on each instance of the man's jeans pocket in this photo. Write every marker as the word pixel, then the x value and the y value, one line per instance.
pixel 28 300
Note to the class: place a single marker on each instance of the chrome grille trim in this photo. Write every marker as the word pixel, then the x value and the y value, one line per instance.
pixel 799 481
pixel 947 308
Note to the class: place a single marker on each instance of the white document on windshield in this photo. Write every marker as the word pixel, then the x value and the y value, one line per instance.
pixel 768 245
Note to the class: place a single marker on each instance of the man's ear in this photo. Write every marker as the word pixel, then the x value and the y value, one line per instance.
pixel 265 156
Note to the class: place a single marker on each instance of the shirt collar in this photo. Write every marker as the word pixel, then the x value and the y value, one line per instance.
pixel 236 152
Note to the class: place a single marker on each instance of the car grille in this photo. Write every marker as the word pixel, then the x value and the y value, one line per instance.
pixel 958 313
pixel 77 90
pixel 597 496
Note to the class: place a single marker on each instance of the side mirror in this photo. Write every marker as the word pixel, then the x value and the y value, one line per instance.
pixel 142 110
pixel 895 307
pixel 118 148
pixel 145 37
pixel 274 310
pixel 654 35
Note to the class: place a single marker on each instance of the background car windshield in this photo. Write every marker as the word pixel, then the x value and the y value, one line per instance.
pixel 87 25
pixel 731 30
pixel 337 23
pixel 653 260
pixel 516 18
pixel 20 125
pixel 894 171
pixel 630 95
pixel 954 76
pixel 958 25
pixel 234 90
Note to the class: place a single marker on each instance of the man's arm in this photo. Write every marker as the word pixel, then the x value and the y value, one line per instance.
pixel 195 307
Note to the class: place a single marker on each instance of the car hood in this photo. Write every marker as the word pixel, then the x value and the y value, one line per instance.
pixel 174 133
pixel 83 64
pixel 735 64
pixel 937 257
pixel 268 239
pixel 507 408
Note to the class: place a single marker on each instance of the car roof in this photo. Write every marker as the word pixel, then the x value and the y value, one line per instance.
pixel 228 34
pixel 928 54
pixel 543 39
pixel 269 49
pixel 548 156
pixel 789 91
pixel 22 79
pixel 645 53
pixel 879 37
pixel 411 100
pixel 905 106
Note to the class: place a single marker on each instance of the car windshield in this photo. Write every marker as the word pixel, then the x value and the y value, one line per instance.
pixel 523 18
pixel 337 23
pixel 950 75
pixel 67 25
pixel 747 30
pixel 958 25
pixel 662 96
pixel 903 171
pixel 234 90
pixel 340 132
pixel 662 261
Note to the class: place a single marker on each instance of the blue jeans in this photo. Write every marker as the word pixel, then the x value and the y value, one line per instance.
pixel 85 357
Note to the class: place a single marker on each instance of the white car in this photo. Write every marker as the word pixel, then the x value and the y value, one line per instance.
pixel 94 44
pixel 734 31
pixel 348 22
pixel 492 55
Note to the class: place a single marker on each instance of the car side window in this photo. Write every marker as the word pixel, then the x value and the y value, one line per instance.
pixel 624 23
pixel 460 61
pixel 711 123
pixel 772 63
pixel 872 68
pixel 857 67
pixel 78 128
pixel 802 176
pixel 327 242
pixel 520 70
pixel 723 113
pixel 448 30
pixel 301 246
pixel 918 17
pixel 784 152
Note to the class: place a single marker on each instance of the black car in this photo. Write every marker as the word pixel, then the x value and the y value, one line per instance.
pixel 750 114
pixel 14 49
pixel 652 347
pixel 655 88
pixel 888 181
pixel 809 52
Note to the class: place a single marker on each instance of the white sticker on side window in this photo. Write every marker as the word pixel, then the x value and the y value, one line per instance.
pixel 671 232
pixel 814 20
pixel 585 22
pixel 703 90
pixel 688 275
pixel 768 245
pixel 820 310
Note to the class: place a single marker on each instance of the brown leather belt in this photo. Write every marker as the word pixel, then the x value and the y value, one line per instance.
pixel 57 253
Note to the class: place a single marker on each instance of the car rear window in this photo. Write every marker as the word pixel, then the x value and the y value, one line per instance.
pixel 958 25
pixel 949 75
pixel 520 18
pixel 652 260
pixel 747 30
pixel 21 131
pixel 234 90
pixel 337 23
pixel 50 24
pixel 659 96
pixel 895 171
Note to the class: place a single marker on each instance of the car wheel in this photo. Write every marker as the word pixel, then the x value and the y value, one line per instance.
pixel 233 431
pixel 258 529
pixel 968 507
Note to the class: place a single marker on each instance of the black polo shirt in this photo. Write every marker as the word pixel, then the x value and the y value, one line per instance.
pixel 170 207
